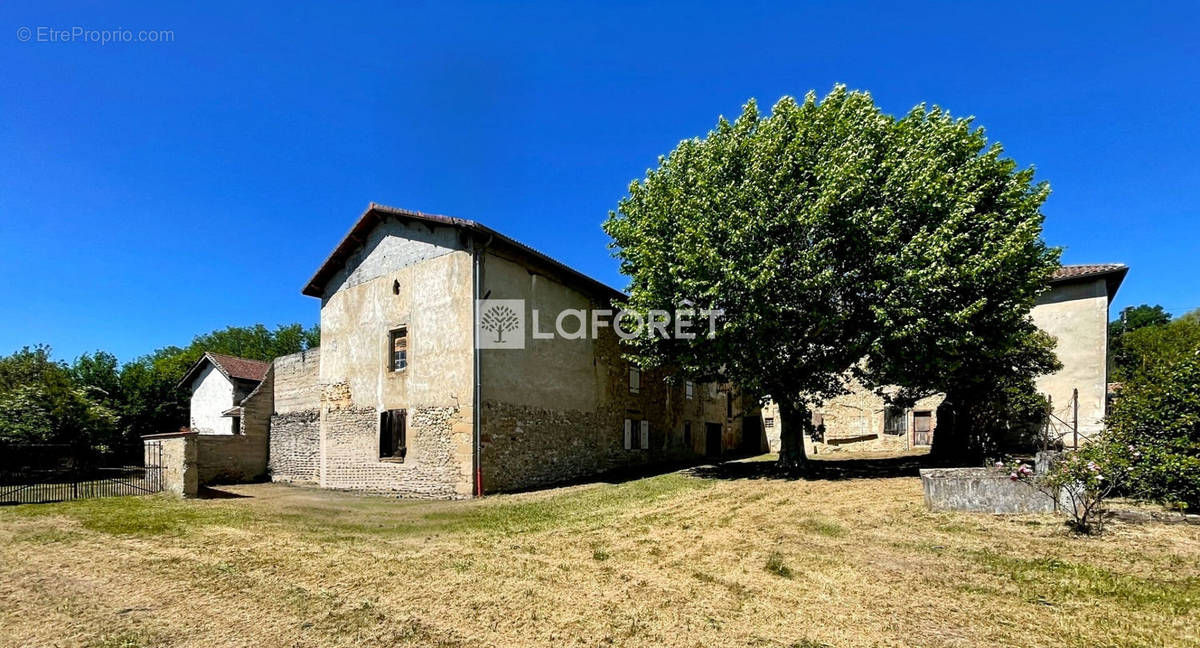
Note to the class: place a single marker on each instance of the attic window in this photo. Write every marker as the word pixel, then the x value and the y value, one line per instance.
pixel 398 347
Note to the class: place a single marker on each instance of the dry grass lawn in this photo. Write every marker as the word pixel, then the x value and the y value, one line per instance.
pixel 680 559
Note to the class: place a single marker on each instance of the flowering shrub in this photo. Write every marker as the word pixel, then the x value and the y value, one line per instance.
pixel 1081 481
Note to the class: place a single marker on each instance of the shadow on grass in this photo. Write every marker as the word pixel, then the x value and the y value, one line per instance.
pixel 818 469
pixel 207 492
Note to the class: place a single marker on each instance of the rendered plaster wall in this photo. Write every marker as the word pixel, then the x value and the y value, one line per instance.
pixel 554 411
pixel 419 277
pixel 1076 314
pixel 212 393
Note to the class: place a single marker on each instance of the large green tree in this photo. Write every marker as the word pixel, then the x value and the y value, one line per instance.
pixel 838 241
pixel 1121 358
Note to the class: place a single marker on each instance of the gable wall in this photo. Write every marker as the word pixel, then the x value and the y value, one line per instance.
pixel 212 393
pixel 434 276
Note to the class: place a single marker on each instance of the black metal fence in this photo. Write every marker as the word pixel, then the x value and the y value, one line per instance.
pixel 31 474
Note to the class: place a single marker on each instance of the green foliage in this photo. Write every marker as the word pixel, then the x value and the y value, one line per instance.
pixel 1155 345
pixel 830 233
pixel 40 402
pixel 993 407
pixel 1083 480
pixel 98 403
pixel 1158 415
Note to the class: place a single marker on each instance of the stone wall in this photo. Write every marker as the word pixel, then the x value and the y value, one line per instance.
pixel 854 422
pixel 230 459
pixel 297 381
pixel 257 408
pixel 177 461
pixel 295 443
pixel 437 464
pixel 981 490
pixel 554 411
pixel 295 449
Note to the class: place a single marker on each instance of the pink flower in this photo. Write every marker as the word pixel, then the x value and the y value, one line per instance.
pixel 999 464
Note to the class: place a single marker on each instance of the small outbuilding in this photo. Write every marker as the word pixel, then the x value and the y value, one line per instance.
pixel 218 384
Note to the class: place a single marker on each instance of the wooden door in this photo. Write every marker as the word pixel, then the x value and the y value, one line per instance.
pixel 922 428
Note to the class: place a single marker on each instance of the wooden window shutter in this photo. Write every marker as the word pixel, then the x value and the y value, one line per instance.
pixel 628 434
pixel 644 440
pixel 385 433
pixel 399 432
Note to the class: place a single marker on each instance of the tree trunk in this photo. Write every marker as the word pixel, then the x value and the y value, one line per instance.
pixel 795 421
pixel 960 439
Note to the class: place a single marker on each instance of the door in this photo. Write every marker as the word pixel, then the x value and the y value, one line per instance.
pixel 712 440
pixel 752 434
pixel 922 428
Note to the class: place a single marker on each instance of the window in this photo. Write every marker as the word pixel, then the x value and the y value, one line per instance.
pixel 635 380
pixel 894 419
pixel 689 389
pixel 637 434
pixel 687 434
pixel 237 425
pixel 392 443
pixel 769 422
pixel 398 347
pixel 728 405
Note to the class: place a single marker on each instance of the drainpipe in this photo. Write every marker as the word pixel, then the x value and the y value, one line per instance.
pixel 477 258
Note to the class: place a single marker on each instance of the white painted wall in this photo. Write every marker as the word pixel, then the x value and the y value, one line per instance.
pixel 212 393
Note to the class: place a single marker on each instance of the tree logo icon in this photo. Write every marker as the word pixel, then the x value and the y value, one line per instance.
pixel 499 320
pixel 501 323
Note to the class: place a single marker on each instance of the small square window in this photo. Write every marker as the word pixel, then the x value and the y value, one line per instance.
pixel 769 422
pixel 398 347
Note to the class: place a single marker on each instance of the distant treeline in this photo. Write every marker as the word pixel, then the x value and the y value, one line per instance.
pixel 97 402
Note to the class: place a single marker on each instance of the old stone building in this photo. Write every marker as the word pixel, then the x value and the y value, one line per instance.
pixel 1074 309
pixel 402 400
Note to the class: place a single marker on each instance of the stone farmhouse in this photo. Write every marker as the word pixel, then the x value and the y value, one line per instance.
pixel 400 398
pixel 1074 309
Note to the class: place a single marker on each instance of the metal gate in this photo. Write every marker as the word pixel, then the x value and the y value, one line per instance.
pixel 31 474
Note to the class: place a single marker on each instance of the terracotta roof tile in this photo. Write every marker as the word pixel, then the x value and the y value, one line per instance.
pixel 240 368
pixel 1068 272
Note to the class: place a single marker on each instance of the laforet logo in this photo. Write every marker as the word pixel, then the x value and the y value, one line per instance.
pixel 499 320
pixel 501 323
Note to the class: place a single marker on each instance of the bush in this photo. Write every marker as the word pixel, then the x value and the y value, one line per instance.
pixel 1082 481
pixel 1158 415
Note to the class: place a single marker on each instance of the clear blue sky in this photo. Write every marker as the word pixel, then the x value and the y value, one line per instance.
pixel 149 192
